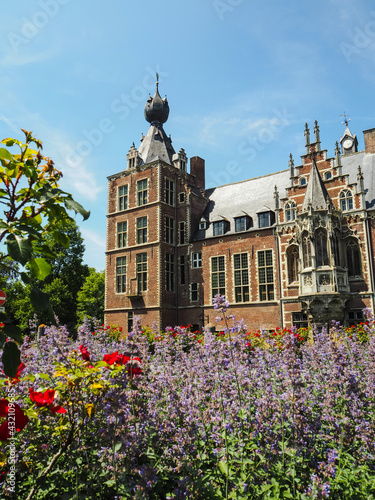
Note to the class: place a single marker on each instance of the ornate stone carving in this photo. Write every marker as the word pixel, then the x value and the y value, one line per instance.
pixel 307 280
pixel 325 279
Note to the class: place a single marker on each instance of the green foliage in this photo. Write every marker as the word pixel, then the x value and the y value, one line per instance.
pixel 90 299
pixel 35 206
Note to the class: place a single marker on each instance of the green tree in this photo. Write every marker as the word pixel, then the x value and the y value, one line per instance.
pixel 34 206
pixel 90 300
pixel 67 275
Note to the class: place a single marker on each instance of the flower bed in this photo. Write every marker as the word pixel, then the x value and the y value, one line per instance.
pixel 180 414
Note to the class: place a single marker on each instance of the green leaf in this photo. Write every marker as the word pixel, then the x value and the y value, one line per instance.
pixel 13 331
pixel 40 268
pixel 61 238
pixel 9 142
pixel 19 248
pixel 39 300
pixel 71 204
pixel 117 446
pixel 223 466
pixel 11 359
pixel 25 278
pixel 5 155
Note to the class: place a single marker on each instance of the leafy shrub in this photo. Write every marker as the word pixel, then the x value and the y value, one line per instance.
pixel 181 415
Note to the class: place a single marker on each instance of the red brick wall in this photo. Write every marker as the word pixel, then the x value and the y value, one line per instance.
pixel 369 136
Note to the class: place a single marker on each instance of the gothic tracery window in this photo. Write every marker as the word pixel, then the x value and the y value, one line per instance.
pixel 290 211
pixel 353 257
pixel 292 257
pixel 321 248
pixel 306 250
pixel 346 200
pixel 336 248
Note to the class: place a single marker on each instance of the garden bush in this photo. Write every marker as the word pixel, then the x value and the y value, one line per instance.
pixel 181 414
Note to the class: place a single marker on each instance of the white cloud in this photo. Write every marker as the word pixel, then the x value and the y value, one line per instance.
pixel 22 58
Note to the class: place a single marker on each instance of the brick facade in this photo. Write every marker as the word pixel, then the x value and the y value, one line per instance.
pixel 294 247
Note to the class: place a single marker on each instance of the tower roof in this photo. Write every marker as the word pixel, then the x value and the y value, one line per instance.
pixel 156 109
pixel 316 194
pixel 156 144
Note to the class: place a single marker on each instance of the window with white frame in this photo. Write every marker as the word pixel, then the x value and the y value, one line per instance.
pixel 217 275
pixel 327 175
pixel 193 292
pixel 241 277
pixel 141 230
pixel 346 200
pixel 264 219
pixel 181 232
pixel 182 270
pixel 181 197
pixel 121 275
pixel 202 224
pixel 122 234
pixel 141 272
pixel 196 259
pixel 142 192
pixel 265 275
pixel 169 272
pixel 122 203
pixel 218 228
pixel 169 192
pixel 240 224
pixel 169 230
pixel 290 211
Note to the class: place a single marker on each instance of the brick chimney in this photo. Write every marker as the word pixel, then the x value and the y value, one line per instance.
pixel 369 136
pixel 197 169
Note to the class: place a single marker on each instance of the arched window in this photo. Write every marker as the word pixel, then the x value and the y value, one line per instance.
pixel 306 250
pixel 353 258
pixel 346 200
pixel 327 175
pixel 302 181
pixel 321 248
pixel 290 211
pixel 336 248
pixel 292 257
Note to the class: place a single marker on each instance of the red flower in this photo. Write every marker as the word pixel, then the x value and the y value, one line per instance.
pixel 45 399
pixel 111 358
pixel 121 359
pixel 17 421
pixel 85 353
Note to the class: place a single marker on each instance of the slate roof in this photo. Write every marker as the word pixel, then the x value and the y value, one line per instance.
pixel 156 145
pixel 316 193
pixel 252 196
pixel 246 197
pixel 350 165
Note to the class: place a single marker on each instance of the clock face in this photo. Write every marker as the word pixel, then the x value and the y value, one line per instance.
pixel 347 143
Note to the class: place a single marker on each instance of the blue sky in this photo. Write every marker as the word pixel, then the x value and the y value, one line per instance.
pixel 242 77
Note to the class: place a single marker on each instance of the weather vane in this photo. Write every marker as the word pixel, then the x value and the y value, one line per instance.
pixel 346 120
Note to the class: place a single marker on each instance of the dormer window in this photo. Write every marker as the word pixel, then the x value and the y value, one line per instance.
pixel 202 225
pixel 219 228
pixel 240 223
pixel 264 219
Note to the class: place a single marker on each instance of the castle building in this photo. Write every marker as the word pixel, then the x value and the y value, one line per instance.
pixel 295 247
